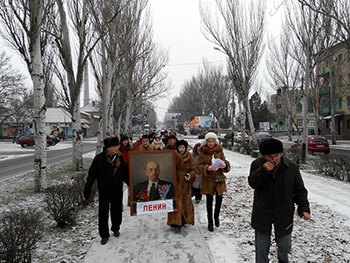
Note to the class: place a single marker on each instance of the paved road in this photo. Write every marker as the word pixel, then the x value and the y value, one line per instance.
pixel 18 165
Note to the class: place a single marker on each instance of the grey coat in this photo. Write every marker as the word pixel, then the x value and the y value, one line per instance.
pixel 274 198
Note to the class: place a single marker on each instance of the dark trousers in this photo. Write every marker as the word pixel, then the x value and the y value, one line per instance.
pixel 262 247
pixel 218 201
pixel 197 193
pixel 109 202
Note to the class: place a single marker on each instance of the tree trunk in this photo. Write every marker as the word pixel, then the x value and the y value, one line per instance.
pixel 40 168
pixel 77 137
pixel 128 126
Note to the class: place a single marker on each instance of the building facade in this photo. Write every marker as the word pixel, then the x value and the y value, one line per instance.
pixel 333 92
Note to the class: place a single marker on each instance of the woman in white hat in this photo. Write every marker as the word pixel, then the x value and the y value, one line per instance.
pixel 213 164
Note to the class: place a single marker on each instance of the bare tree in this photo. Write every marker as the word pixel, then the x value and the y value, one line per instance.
pixel 338 12
pixel 127 64
pixel 240 38
pixel 209 92
pixel 73 61
pixel 217 92
pixel 23 24
pixel 285 73
pixel 311 31
pixel 190 102
pixel 12 89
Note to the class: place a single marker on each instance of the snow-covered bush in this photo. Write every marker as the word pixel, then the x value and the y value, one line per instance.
pixel 20 230
pixel 293 154
pixel 62 201
pixel 331 165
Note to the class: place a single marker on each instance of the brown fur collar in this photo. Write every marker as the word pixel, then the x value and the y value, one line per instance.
pixel 206 150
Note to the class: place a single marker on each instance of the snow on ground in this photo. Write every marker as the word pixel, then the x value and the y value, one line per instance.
pixel 326 238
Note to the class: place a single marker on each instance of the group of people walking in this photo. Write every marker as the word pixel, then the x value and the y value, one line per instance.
pixel 110 169
pixel 276 181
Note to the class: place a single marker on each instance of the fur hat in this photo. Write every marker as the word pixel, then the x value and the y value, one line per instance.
pixel 210 135
pixel 111 141
pixel 271 146
pixel 181 142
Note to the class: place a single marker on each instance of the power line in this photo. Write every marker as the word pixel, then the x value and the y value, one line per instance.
pixel 216 61
pixel 189 64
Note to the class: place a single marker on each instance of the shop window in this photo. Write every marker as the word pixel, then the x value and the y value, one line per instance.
pixel 340 103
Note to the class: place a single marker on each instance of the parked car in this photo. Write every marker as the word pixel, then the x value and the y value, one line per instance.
pixel 315 143
pixel 238 137
pixel 28 140
pixel 262 136
pixel 20 135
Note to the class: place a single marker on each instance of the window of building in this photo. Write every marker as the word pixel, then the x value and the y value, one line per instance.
pixel 348 102
pixel 340 103
pixel 328 124
pixel 348 124
pixel 311 123
pixel 300 123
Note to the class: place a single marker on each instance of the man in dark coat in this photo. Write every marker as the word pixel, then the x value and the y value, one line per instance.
pixel 110 170
pixel 277 185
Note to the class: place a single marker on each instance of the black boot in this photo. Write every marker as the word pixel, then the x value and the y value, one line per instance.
pixel 209 199
pixel 217 222
pixel 218 202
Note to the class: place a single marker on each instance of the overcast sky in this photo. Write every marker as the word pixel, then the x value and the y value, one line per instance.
pixel 176 26
pixel 177 29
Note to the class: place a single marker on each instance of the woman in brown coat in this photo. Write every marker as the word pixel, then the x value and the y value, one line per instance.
pixel 213 181
pixel 186 175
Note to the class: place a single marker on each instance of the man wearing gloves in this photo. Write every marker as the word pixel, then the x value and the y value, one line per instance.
pixel 277 185
pixel 110 170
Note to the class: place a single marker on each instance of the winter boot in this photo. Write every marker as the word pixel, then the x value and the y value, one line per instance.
pixel 218 201
pixel 210 212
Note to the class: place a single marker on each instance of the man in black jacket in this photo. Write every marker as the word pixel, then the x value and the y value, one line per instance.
pixel 110 170
pixel 277 185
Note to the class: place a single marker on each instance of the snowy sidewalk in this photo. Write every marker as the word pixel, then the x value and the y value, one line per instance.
pixel 147 238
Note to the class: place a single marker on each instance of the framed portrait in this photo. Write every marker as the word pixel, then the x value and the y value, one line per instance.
pixel 152 182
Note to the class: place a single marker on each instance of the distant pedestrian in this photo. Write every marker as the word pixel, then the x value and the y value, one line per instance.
pixel 277 185
pixel 196 186
pixel 110 170
pixel 213 164
pixel 158 143
pixel 165 135
pixel 171 143
pixel 146 144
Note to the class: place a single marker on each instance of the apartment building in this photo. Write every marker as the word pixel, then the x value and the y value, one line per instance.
pixel 333 92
